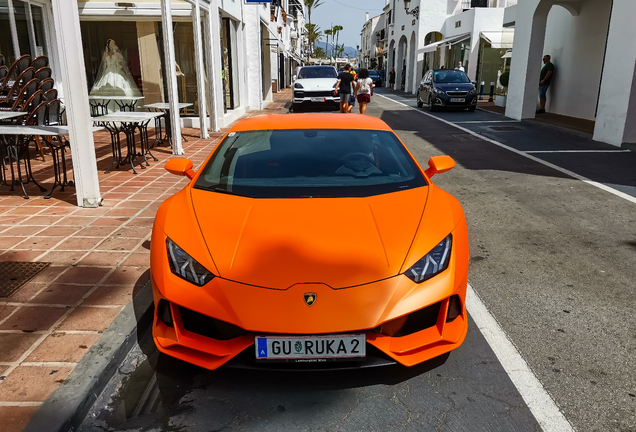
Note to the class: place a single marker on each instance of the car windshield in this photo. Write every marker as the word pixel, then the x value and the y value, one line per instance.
pixel 317 72
pixel 373 73
pixel 315 163
pixel 450 76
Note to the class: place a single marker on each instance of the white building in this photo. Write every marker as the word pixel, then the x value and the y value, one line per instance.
pixel 372 43
pixel 432 33
pixel 591 43
pixel 226 57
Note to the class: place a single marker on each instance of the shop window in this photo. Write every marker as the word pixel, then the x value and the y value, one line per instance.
pixel 6 41
pixel 141 47
pixel 22 28
pixel 226 73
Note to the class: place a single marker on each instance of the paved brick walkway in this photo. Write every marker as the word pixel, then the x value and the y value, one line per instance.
pixel 99 258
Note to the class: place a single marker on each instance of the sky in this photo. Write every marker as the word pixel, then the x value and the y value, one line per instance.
pixel 350 14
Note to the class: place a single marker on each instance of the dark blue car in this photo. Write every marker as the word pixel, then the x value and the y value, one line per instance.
pixel 446 88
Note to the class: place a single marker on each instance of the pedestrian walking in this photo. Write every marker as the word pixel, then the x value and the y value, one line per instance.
pixel 392 79
pixel 544 82
pixel 352 98
pixel 364 90
pixel 460 67
pixel 344 87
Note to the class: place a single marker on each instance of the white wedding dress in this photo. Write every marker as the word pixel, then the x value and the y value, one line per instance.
pixel 114 77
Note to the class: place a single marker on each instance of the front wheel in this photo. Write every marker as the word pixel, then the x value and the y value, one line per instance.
pixel 472 109
pixel 431 107
pixel 420 104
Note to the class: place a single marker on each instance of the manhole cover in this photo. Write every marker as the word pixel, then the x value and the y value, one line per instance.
pixel 14 274
pixel 505 128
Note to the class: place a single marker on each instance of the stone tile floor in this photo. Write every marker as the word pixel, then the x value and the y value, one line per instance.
pixel 99 258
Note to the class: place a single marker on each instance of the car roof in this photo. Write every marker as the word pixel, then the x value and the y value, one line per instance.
pixel 316 66
pixel 310 121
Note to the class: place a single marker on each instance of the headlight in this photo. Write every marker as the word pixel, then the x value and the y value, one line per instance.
pixel 298 85
pixel 334 84
pixel 433 263
pixel 473 91
pixel 438 91
pixel 186 267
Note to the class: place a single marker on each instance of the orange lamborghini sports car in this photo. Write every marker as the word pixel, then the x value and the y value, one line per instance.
pixel 309 238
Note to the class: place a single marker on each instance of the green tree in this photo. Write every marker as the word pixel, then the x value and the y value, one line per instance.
pixel 328 32
pixel 314 35
pixel 311 4
pixel 336 30
pixel 319 53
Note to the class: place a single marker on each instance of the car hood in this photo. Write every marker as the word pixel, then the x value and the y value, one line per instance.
pixel 454 86
pixel 317 83
pixel 340 242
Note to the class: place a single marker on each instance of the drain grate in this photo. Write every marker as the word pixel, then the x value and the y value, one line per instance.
pixel 465 137
pixel 505 128
pixel 14 274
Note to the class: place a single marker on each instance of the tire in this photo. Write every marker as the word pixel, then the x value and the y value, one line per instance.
pixel 296 108
pixel 431 107
pixel 420 104
pixel 472 109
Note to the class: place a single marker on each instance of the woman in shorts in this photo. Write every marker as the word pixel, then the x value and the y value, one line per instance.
pixel 363 90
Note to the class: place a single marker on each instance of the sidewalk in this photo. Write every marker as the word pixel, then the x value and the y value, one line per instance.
pixel 98 259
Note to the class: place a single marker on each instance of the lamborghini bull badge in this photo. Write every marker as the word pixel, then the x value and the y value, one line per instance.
pixel 310 298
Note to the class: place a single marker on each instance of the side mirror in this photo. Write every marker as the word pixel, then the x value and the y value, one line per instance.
pixel 439 164
pixel 474 83
pixel 180 167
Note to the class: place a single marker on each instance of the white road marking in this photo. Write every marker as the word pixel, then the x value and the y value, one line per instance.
pixel 578 151
pixel 525 154
pixel 489 121
pixel 548 415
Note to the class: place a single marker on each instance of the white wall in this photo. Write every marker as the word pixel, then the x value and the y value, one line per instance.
pixel 577 47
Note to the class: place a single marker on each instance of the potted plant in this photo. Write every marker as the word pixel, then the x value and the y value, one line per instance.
pixel 500 100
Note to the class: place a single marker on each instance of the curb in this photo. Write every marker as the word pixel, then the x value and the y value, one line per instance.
pixel 65 409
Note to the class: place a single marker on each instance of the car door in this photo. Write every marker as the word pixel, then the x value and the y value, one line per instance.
pixel 426 86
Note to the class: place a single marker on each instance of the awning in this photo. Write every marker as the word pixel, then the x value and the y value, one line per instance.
pixel 448 41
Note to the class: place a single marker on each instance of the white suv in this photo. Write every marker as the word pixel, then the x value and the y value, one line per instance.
pixel 314 86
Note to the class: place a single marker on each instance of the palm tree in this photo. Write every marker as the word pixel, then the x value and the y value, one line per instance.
pixel 328 32
pixel 314 35
pixel 336 30
pixel 319 53
pixel 311 4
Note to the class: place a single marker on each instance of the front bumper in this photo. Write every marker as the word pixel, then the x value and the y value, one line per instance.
pixel 444 101
pixel 314 98
pixel 211 325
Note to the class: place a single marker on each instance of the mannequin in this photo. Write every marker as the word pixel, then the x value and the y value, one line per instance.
pixel 114 77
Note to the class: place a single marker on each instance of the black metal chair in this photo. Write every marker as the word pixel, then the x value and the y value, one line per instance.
pixel 40 62
pixel 23 78
pixel 46 84
pixel 25 93
pixel 50 95
pixel 15 69
pixel 43 73
pixel 17 150
pixel 57 145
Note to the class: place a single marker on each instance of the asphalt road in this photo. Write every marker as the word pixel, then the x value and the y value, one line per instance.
pixel 552 258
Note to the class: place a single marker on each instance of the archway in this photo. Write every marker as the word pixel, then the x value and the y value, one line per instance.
pixel 529 46
pixel 390 59
pixel 411 66
pixel 400 64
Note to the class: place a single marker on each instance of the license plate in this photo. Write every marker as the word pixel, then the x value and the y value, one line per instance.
pixel 318 99
pixel 310 347
pixel 458 100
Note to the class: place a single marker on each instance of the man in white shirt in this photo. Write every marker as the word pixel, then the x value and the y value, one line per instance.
pixel 460 67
